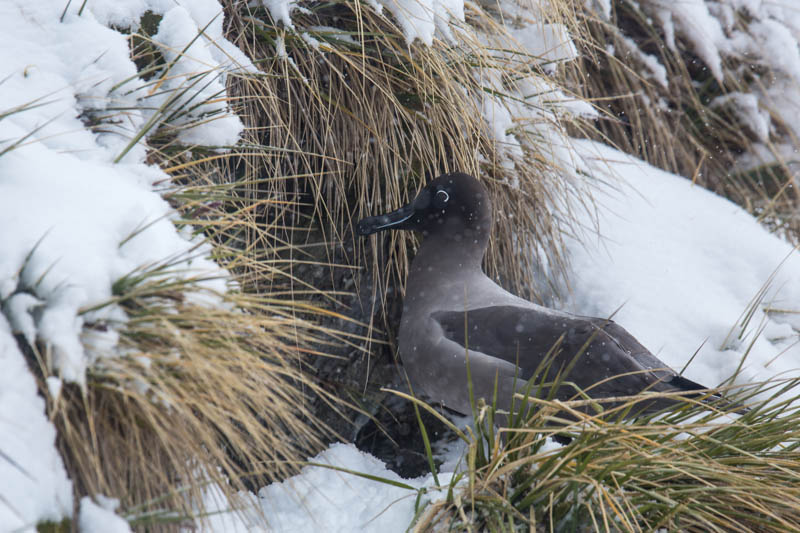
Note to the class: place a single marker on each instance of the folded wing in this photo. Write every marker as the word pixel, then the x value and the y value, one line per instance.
pixel 597 355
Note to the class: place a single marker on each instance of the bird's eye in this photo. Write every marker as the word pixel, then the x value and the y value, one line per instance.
pixel 442 196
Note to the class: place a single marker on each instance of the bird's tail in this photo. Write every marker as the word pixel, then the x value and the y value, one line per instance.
pixel 681 383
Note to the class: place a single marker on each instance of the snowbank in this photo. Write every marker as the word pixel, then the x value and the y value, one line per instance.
pixel 683 266
pixel 325 499
pixel 33 483
pixel 341 502
pixel 100 518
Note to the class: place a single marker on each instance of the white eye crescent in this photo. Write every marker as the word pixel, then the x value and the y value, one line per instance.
pixel 445 196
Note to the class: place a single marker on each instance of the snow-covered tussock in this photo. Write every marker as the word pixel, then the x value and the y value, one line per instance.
pixel 513 106
pixel 81 220
pixel 519 101
pixel 77 201
pixel 757 43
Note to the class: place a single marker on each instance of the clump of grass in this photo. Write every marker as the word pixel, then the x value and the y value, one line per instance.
pixel 681 127
pixel 691 468
pixel 199 388
pixel 362 119
pixel 204 388
pixel 197 395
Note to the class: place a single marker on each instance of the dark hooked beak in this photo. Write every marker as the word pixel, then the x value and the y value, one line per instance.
pixel 403 218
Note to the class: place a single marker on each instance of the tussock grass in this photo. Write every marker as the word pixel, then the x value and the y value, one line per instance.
pixel 678 128
pixel 202 388
pixel 692 468
pixel 361 120
pixel 199 395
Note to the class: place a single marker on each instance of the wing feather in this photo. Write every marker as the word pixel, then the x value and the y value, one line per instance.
pixel 594 351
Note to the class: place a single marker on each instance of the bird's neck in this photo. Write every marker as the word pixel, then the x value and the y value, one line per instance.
pixel 450 254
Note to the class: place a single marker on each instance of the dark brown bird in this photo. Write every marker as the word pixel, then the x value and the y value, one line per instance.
pixel 452 308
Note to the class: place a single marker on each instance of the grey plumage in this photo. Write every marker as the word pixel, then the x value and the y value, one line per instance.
pixel 452 308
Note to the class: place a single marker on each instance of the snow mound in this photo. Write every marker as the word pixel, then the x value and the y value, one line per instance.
pixel 100 518
pixel 34 483
pixel 338 502
pixel 683 265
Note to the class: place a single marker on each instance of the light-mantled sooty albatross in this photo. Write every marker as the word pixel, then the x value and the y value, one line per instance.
pixel 453 309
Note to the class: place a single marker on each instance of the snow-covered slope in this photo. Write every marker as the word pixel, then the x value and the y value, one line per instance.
pixel 330 500
pixel 681 267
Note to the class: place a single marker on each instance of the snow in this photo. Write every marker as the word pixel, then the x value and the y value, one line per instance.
pixel 549 43
pixel 193 67
pixel 683 265
pixel 100 517
pixel 333 33
pixel 693 18
pixel 528 104
pixel 281 10
pixel 34 483
pixel 330 500
pixel 745 107
pixel 784 10
pixel 18 308
pixel 311 41
pixel 775 40
pixel 602 7
pixel 495 110
pixel 423 19
pixel 664 16
pixel 656 70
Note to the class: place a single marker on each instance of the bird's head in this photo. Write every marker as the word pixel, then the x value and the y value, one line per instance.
pixel 455 205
